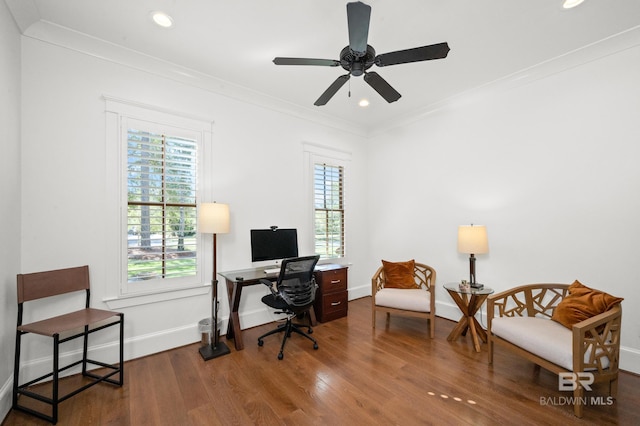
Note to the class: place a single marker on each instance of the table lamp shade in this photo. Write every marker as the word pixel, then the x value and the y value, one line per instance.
pixel 213 218
pixel 473 239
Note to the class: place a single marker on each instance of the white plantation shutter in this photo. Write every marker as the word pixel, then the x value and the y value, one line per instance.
pixel 161 204
pixel 328 199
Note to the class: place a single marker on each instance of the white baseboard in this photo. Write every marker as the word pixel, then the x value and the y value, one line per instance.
pixel 359 292
pixel 6 395
pixel 630 360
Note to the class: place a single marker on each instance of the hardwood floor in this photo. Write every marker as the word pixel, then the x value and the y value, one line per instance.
pixel 390 375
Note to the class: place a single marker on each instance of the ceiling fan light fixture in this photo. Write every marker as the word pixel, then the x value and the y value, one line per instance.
pixel 162 19
pixel 568 4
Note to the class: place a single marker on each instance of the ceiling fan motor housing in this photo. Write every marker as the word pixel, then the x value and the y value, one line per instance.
pixel 357 65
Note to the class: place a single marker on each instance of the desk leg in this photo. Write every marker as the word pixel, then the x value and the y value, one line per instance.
pixel 234 292
pixel 312 317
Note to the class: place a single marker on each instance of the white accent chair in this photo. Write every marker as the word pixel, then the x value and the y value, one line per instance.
pixel 419 301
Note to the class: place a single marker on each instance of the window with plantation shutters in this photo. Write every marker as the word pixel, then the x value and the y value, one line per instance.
pixel 154 183
pixel 328 200
pixel 161 205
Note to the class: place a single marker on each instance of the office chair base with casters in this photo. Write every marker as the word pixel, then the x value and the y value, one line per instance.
pixel 287 328
pixel 293 296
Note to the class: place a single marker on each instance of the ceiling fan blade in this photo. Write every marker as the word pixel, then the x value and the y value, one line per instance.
pixel 381 86
pixel 306 61
pixel 335 86
pixel 358 17
pixel 424 53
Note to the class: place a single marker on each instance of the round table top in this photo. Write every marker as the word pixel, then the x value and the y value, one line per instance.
pixel 457 288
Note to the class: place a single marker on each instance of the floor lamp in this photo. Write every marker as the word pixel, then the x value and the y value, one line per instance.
pixel 213 218
pixel 473 240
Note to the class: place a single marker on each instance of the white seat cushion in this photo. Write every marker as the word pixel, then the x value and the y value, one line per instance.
pixel 401 298
pixel 541 336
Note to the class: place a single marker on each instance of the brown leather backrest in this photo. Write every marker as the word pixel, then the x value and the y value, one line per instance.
pixel 50 283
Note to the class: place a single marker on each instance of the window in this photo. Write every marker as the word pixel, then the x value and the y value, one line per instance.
pixel 155 181
pixel 328 184
pixel 161 205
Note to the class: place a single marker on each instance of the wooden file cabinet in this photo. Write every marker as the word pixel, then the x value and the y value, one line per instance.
pixel 331 300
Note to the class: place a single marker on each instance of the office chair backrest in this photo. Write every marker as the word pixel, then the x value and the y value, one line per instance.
pixel 296 284
pixel 51 283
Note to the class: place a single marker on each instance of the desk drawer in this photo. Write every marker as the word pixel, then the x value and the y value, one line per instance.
pixel 332 281
pixel 333 306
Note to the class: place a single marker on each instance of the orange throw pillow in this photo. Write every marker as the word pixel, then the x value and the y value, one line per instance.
pixel 399 274
pixel 582 303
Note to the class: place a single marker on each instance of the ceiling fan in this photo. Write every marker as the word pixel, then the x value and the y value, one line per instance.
pixel 358 57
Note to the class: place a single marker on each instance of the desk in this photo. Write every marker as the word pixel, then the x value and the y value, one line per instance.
pixel 469 301
pixel 236 281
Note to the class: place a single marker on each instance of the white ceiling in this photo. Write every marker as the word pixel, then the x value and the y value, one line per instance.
pixel 235 41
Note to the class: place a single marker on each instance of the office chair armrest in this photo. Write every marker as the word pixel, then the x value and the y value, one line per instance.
pixel 270 285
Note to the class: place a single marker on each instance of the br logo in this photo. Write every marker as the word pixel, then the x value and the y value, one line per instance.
pixel 568 381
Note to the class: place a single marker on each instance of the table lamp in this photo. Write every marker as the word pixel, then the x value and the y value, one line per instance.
pixel 213 218
pixel 473 240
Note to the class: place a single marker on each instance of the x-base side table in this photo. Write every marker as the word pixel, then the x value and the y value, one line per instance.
pixel 469 302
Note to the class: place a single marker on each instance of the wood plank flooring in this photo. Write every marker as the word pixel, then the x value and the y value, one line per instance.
pixel 390 375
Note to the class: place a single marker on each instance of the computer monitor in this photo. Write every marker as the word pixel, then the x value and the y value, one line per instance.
pixel 273 244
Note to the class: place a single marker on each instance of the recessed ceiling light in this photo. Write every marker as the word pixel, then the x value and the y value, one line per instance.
pixel 568 4
pixel 162 19
pixel 363 103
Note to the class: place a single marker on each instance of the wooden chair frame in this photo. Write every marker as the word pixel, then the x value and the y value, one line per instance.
pixel 599 336
pixel 425 279
pixel 41 285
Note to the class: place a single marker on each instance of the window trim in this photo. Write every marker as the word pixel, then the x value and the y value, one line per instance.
pixel 314 154
pixel 119 292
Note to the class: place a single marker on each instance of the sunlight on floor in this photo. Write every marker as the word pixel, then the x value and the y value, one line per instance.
pixel 455 398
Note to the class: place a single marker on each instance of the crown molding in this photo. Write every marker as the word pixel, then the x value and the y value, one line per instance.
pixel 35 28
pixel 620 42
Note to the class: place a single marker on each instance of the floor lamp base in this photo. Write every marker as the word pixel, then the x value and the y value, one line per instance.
pixel 210 351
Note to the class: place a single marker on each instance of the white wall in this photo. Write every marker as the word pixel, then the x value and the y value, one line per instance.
pixel 257 169
pixel 10 196
pixel 550 166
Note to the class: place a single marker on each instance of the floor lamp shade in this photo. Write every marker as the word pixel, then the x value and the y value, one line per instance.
pixel 213 218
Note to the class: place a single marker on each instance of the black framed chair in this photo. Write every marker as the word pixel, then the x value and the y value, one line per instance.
pixel 62 328
pixel 293 295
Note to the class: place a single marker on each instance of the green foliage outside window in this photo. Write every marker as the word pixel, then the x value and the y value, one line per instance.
pixel 161 213
pixel 329 210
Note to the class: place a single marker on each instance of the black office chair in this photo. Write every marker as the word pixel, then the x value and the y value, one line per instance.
pixel 294 295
